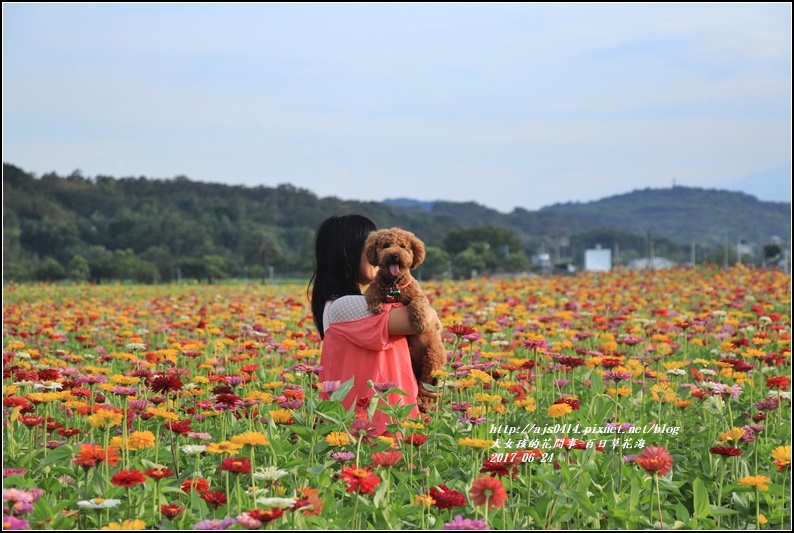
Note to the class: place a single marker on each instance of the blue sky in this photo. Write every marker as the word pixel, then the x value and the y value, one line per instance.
pixel 508 105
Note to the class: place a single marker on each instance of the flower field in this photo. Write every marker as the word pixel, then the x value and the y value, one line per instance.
pixel 629 399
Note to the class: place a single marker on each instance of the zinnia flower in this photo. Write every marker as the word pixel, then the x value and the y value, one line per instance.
pixel 416 439
pixel 782 457
pixel 90 454
pixel 759 482
pixel 488 490
pixel 171 510
pixel 726 450
pixel 165 384
pixel 447 498
pixel 387 458
pixel 128 478
pixel 251 438
pixel 360 479
pixel 236 465
pixel 559 409
pixel 655 459
pixel 465 524
pixel 337 439
pixel 126 525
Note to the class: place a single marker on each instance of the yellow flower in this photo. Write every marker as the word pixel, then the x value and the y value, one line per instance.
pixel 479 374
pixel 662 392
pixel 139 440
pixel 527 404
pixel 477 411
pixel 425 500
pixel 487 398
pixel 105 419
pixel 251 438
pixel 126 525
pixel 560 409
pixel 281 416
pixel 162 413
pixel 439 374
pixel 412 425
pixel 734 435
pixel 476 443
pixel 200 380
pixel 223 447
pixel 259 396
pixel 10 390
pixel 754 352
pixel 499 408
pixel 758 482
pixel 622 391
pixel 782 455
pixel 762 519
pixel 388 440
pixel 337 439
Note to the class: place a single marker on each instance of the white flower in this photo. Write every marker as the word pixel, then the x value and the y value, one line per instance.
pixel 781 394
pixel 98 503
pixel 719 314
pixel 271 473
pixel 714 404
pixel 50 385
pixel 708 372
pixel 23 383
pixel 677 371
pixel 23 355
pixel 276 503
pixel 764 319
pixel 135 346
pixel 193 449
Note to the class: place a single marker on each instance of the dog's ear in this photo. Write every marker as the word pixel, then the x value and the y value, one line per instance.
pixel 419 251
pixel 371 247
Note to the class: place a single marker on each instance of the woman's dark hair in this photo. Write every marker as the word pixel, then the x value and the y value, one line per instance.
pixel 338 244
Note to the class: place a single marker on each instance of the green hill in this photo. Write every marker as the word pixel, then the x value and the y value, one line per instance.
pixel 146 229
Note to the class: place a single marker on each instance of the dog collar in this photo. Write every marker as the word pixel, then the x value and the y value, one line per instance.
pixel 394 289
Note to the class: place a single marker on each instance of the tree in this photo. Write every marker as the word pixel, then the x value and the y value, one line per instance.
pixel 78 268
pixel 436 264
pixel 50 270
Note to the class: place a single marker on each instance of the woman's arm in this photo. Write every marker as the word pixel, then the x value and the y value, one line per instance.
pixel 400 324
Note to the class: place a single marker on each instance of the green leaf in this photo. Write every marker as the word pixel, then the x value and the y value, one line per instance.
pixel 701 498
pixel 58 454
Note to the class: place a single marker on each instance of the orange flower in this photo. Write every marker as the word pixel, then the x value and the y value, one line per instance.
pixel 655 459
pixel 488 490
pixel 90 454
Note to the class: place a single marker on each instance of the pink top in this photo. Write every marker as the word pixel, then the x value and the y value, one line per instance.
pixel 364 349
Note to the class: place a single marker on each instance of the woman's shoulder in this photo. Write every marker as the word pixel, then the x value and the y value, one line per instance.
pixel 347 308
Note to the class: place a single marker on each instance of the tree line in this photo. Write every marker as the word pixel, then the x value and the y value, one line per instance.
pixel 150 231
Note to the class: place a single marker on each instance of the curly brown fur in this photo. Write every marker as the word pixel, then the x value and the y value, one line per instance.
pixel 396 252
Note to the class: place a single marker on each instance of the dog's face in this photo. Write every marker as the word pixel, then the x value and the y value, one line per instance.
pixel 395 251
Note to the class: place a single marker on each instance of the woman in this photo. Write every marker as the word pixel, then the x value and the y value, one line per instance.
pixel 355 342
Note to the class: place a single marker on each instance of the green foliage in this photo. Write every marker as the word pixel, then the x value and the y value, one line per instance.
pixel 50 270
pixel 134 228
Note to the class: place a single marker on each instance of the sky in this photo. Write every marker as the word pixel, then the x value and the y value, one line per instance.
pixel 507 105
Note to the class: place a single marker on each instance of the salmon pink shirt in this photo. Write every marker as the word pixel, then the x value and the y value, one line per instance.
pixel 362 347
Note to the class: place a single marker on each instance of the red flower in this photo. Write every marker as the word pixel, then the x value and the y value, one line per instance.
pixel 171 510
pixel 655 459
pixel 460 330
pixel 159 473
pixel 200 485
pixel 778 382
pixel 266 516
pixel 488 490
pixel 31 421
pixel 91 454
pixel 236 465
pixel 128 478
pixel 572 402
pixel 360 479
pixel 726 450
pixel 416 439
pixel 165 384
pixel 387 458
pixel 447 498
pixel 497 469
pixel 180 426
pixel 215 498
pixel 68 432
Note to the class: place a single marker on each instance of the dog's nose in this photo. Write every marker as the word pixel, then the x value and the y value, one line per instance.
pixel 395 257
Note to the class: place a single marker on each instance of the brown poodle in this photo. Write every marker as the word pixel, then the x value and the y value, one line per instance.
pixel 397 252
